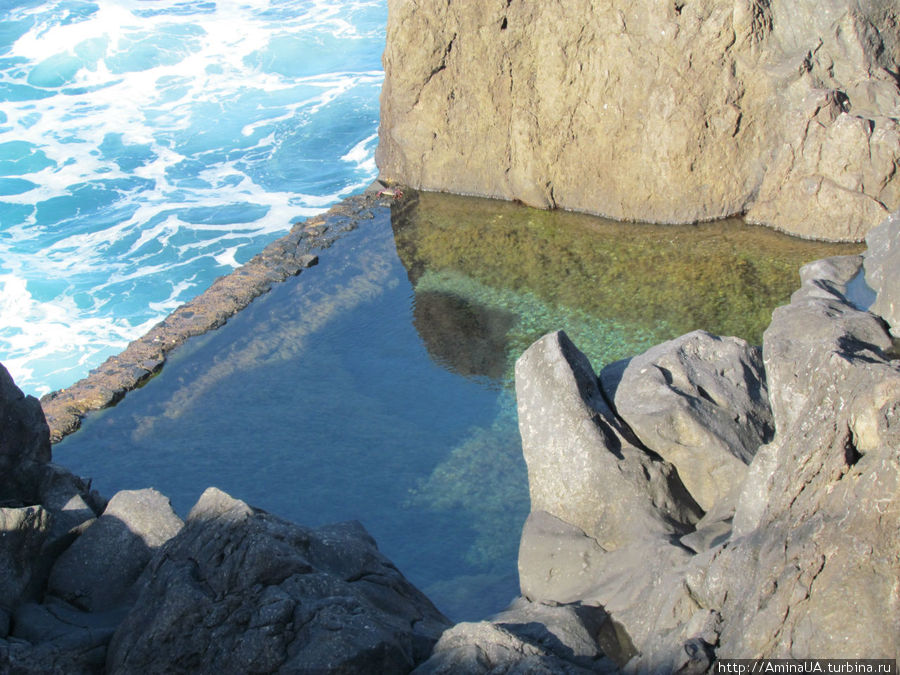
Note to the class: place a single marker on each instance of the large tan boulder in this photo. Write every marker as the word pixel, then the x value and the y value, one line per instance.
pixel 661 111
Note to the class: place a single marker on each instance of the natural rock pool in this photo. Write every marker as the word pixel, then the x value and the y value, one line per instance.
pixel 377 386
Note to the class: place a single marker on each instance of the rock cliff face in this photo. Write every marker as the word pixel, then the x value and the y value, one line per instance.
pixel 659 110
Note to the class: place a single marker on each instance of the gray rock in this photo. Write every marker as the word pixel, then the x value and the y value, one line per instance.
pixel 716 525
pixel 23 533
pixel 784 110
pixel 240 590
pixel 882 265
pixel 97 571
pixel 687 650
pixel 814 538
pixel 59 622
pixel 558 562
pixel 70 500
pixel 806 338
pixel 526 638
pixel 76 653
pixel 584 466
pixel 824 545
pixel 818 322
pixel 699 401
pixel 24 443
pixel 639 585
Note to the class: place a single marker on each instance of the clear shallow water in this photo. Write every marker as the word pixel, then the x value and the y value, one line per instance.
pixel 378 385
pixel 148 147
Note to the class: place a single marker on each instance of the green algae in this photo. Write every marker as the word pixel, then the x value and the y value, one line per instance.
pixel 653 281
pixel 492 277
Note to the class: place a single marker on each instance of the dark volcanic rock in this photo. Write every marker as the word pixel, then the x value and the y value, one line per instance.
pixel 584 466
pixel 239 590
pixel 701 402
pixel 97 572
pixel 23 533
pixel 24 442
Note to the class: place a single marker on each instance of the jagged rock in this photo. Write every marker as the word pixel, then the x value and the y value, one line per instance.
pixel 526 638
pixel 700 401
pixel 584 466
pixel 786 111
pixel 882 270
pixel 23 532
pixel 817 323
pixel 71 502
pixel 815 526
pixel 823 545
pixel 24 443
pixel 97 571
pixel 240 590
pixel 689 649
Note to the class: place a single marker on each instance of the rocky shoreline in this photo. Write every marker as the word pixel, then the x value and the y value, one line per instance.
pixel 706 499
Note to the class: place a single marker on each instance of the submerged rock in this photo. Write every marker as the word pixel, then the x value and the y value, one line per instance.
pixel 653 111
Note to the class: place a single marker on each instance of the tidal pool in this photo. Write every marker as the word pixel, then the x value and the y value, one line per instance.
pixel 378 387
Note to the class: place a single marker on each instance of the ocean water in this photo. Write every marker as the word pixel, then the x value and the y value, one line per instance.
pixel 149 146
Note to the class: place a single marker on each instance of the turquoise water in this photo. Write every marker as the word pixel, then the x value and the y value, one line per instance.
pixel 148 147
pixel 320 402
pixel 378 386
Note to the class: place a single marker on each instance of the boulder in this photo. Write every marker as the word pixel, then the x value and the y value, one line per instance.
pixel 699 401
pixel 24 443
pixel 71 501
pixel 23 533
pixel 526 638
pixel 97 571
pixel 241 590
pixel 584 466
pixel 655 111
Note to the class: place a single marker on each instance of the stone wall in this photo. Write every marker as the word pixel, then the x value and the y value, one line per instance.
pixel 665 111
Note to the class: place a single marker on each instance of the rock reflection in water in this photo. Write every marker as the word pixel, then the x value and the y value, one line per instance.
pixel 465 337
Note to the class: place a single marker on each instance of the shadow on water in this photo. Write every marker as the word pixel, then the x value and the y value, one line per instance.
pixel 377 386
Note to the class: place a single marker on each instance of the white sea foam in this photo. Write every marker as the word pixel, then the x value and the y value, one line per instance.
pixel 167 144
